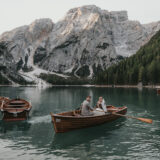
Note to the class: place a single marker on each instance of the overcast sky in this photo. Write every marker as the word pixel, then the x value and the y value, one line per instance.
pixel 15 13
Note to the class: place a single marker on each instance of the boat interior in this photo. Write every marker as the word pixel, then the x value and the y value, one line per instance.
pixel 17 104
pixel 77 113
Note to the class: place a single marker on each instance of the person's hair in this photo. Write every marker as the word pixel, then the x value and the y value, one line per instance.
pixel 88 97
pixel 100 97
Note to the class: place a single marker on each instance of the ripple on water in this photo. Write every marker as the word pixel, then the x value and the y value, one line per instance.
pixel 121 139
pixel 40 119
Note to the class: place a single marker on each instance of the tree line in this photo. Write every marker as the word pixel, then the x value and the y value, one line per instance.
pixel 143 67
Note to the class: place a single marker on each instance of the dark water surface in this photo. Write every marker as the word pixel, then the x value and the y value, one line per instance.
pixel 121 139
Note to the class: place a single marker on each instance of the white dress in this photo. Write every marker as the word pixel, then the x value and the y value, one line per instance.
pixel 99 111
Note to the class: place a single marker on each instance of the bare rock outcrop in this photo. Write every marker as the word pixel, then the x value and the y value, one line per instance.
pixel 86 40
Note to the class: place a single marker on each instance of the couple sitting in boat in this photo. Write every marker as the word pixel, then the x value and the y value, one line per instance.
pixel 87 110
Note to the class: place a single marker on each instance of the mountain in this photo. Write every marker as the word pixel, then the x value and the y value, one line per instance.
pixel 142 67
pixel 87 40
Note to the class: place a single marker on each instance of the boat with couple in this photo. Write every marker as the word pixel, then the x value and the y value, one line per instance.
pixel 87 116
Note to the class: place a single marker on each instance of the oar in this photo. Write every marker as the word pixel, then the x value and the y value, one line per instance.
pixel 146 120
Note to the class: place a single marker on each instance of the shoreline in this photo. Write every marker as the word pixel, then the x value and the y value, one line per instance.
pixel 129 86
pixel 87 85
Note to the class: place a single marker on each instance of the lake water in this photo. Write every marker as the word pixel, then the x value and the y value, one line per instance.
pixel 121 139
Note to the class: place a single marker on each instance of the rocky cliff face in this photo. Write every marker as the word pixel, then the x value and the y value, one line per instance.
pixel 85 41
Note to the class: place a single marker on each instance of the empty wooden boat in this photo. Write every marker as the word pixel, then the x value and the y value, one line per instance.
pixel 68 121
pixel 16 110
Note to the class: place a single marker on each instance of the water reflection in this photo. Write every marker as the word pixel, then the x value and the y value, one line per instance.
pixel 121 139
pixel 14 126
pixel 85 136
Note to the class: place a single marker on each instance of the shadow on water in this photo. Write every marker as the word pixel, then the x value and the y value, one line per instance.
pixel 86 135
pixel 14 126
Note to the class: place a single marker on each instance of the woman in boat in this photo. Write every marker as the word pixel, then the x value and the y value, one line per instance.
pixel 101 108
pixel 86 110
pixel 102 104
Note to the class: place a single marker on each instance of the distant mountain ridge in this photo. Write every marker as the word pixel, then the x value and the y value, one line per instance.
pixel 143 67
pixel 87 40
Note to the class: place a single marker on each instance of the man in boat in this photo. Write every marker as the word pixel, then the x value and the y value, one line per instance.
pixel 101 108
pixel 86 110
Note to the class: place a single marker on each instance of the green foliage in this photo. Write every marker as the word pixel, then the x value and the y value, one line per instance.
pixel 83 72
pixel 143 67
pixel 57 80
pixel 20 80
pixel 3 80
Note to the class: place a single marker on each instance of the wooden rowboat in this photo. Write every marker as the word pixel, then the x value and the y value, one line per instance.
pixel 16 110
pixel 3 100
pixel 68 121
pixel 158 91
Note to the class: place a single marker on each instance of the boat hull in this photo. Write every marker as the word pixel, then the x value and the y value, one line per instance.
pixel 10 117
pixel 67 123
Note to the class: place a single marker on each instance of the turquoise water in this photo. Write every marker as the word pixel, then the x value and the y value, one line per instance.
pixel 121 139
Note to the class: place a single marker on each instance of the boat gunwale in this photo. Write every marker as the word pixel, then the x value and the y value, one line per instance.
pixel 19 110
pixel 27 105
pixel 83 117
